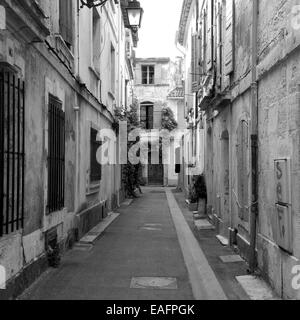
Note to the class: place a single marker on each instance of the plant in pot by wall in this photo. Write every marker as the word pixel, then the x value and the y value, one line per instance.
pixel 200 187
pixel 193 198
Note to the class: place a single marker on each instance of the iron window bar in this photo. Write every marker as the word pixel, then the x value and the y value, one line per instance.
pixel 12 152
pixel 56 156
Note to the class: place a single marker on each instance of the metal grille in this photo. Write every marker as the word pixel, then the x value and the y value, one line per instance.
pixel 12 153
pixel 56 156
pixel 96 168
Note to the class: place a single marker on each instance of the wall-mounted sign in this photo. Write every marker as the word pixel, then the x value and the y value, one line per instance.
pixel 284 228
pixel 2 18
pixel 282 181
pixel 283 202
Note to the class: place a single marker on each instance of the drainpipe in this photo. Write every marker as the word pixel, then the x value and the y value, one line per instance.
pixel 76 110
pixel 254 143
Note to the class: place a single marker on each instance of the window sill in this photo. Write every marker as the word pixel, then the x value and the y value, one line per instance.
pixel 64 52
pixel 112 95
pixel 95 72
pixel 93 188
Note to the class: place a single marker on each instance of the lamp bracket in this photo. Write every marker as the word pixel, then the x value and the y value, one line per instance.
pixel 92 4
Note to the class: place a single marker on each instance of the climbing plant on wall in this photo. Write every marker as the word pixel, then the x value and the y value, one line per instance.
pixel 168 121
pixel 130 173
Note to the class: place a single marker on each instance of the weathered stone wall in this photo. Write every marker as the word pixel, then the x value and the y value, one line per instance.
pixel 279 136
pixel 43 76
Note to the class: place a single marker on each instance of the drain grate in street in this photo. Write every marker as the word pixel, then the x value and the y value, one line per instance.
pixel 159 283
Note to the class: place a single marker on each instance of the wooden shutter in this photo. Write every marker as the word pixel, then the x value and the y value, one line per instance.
pixel 229 37
pixel 242 169
pixel 219 43
pixel 194 63
pixel 200 53
pixel 209 49
pixel 150 117
pixel 66 20
pixel 204 43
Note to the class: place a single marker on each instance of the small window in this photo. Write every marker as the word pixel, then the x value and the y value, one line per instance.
pixel 148 74
pixel 96 40
pixel 66 21
pixel 95 166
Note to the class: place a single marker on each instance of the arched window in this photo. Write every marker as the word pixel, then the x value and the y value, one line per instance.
pixel 146 115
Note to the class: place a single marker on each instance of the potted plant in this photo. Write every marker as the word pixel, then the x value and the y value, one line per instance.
pixel 193 198
pixel 200 187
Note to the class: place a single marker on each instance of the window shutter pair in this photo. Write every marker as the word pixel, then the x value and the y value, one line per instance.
pixel 229 37
pixel 66 20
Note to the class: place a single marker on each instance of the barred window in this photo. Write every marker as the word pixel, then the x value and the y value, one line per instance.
pixel 12 153
pixel 56 155
pixel 95 166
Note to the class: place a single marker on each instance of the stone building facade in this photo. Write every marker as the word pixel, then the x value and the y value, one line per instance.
pixel 246 55
pixel 70 67
pixel 158 84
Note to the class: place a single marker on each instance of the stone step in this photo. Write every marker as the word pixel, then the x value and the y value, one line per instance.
pixel 203 224
pixel 92 236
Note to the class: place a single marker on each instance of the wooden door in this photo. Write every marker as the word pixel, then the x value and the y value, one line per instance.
pixel 155 174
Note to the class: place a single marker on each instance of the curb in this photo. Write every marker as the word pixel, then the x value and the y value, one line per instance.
pixel 92 236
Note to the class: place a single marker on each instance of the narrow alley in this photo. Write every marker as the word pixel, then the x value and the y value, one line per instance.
pixel 139 257
pixel 150 150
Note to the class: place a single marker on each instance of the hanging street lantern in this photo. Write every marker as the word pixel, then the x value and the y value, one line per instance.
pixel 135 14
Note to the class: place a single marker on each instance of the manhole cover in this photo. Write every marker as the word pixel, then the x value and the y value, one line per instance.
pixel 154 283
pixel 151 229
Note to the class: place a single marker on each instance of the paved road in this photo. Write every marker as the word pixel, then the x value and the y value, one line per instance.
pixel 141 242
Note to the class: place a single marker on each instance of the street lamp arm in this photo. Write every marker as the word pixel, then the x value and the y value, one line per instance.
pixel 92 3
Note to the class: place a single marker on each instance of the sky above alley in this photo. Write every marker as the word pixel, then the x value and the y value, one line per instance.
pixel 159 26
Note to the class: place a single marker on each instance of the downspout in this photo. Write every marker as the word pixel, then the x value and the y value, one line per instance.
pixel 254 143
pixel 77 110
